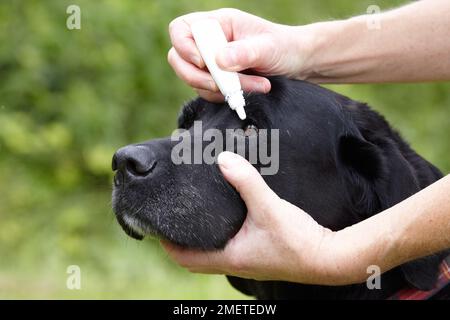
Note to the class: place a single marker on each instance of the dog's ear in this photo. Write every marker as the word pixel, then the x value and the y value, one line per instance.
pixel 361 164
pixel 378 176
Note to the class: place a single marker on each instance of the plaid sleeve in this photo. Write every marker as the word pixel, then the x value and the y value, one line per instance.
pixel 414 294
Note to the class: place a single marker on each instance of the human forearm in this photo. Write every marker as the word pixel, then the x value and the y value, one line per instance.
pixel 411 44
pixel 415 227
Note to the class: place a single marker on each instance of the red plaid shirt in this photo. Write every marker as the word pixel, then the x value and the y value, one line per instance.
pixel 414 294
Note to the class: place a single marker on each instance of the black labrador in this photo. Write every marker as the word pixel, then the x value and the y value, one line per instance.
pixel 338 160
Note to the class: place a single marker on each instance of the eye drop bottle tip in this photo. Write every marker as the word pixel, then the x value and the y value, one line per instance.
pixel 236 102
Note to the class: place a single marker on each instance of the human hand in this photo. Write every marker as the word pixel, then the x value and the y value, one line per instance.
pixel 278 241
pixel 264 47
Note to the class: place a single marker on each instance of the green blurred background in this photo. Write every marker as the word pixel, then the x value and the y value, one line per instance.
pixel 68 99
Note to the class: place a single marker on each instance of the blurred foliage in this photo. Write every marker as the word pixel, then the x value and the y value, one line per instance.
pixel 69 98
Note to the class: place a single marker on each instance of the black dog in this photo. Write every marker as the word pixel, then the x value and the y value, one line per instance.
pixel 338 160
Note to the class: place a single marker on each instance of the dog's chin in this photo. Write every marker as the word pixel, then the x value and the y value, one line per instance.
pixel 173 223
pixel 135 228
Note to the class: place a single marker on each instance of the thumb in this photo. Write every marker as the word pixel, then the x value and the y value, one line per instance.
pixel 246 53
pixel 247 181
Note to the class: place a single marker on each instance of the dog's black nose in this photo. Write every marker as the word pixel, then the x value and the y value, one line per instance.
pixel 134 160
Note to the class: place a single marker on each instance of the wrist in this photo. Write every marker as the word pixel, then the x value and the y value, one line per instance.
pixel 372 242
pixel 311 45
pixel 302 44
pixel 331 54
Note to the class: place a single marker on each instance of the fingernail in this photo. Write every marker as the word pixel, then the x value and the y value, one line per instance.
pixel 212 86
pixel 197 61
pixel 263 87
pixel 228 58
pixel 229 160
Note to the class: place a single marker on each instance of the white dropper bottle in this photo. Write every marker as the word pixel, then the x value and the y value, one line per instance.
pixel 209 38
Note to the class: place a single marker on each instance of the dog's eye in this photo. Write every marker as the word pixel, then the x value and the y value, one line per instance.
pixel 250 130
pixel 247 131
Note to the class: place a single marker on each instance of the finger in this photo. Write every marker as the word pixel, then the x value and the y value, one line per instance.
pixel 215 97
pixel 256 52
pixel 250 83
pixel 247 181
pixel 195 260
pixel 189 73
pixel 183 41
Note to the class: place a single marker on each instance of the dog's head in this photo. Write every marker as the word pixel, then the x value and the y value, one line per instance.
pixel 331 156
pixel 192 205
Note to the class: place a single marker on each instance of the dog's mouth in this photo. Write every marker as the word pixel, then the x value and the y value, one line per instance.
pixel 131 228
pixel 134 227
pixel 129 218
